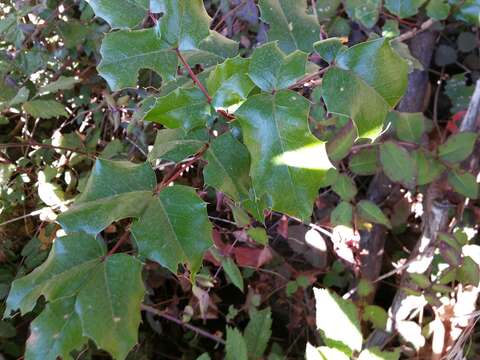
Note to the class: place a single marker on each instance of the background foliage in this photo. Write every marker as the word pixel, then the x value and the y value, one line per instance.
pixel 239 179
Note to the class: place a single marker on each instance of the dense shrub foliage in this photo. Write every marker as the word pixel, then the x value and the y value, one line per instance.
pixel 239 179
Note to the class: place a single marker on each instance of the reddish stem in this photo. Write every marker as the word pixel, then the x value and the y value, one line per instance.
pixel 123 239
pixel 193 76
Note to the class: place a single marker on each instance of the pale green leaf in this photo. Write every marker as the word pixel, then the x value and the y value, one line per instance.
pixel 376 315
pixel 270 69
pixel 236 348
pixel 177 144
pixel 365 12
pixel 337 320
pixel 464 183
pixel 287 162
pixel 457 147
pixel 329 48
pixel 259 235
pixel 128 15
pixel 364 162
pixel 403 8
pixel 368 211
pixel 44 109
pixel 366 83
pixel 408 127
pixel 290 24
pixel 398 164
pixel 174 229
pixel 374 353
pixel 438 9
pixel 258 332
pixel 229 84
pixel 428 168
pixel 125 53
pixel 342 214
pixel 182 108
pixel 233 272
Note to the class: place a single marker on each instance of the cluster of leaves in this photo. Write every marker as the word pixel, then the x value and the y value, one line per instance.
pixel 265 128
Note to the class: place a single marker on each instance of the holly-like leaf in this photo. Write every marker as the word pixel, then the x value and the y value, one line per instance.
pixel 88 296
pixel 337 320
pixel 174 229
pixel 214 49
pixel 185 108
pixel 185 23
pixel 228 167
pixel 464 183
pixel 329 48
pixel 397 163
pixel 287 162
pixel 458 147
pixel 366 12
pixel 176 144
pixel 258 332
pixel 364 162
pixel 229 84
pixel 128 15
pixel 366 83
pixel 270 69
pixel 368 211
pixel 403 8
pixel 125 53
pixel 290 24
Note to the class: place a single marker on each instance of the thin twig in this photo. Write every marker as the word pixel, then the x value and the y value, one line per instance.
pixel 414 32
pixel 48 146
pixel 123 239
pixel 228 14
pixel 435 104
pixel 193 76
pixel 309 78
pixel 171 318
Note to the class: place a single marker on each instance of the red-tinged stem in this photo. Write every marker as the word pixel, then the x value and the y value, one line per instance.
pixel 123 239
pixel 177 170
pixel 195 329
pixel 193 76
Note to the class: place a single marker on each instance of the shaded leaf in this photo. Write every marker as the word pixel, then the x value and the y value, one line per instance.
pixel 342 214
pixel 345 187
pixel 329 48
pixel 458 92
pixel 235 348
pixel 408 126
pixel 368 211
pixel 428 168
pixel 339 146
pixel 438 9
pixel 397 164
pixel 364 162
pixel 233 273
pixel 457 147
pixel 365 12
pixel 63 83
pixel 44 109
pixel 403 8
pixel 464 183
pixel 258 332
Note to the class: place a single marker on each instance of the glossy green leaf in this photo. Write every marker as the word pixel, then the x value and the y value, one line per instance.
pixel 44 109
pixel 368 211
pixel 339 146
pixel 342 214
pixel 229 84
pixel 177 144
pixel 364 162
pixel 212 50
pixel 408 127
pixel 457 147
pixel 365 12
pixel 228 166
pixel 129 15
pixel 398 164
pixel 464 183
pixel 233 272
pixel 270 69
pixel 174 229
pixel 235 348
pixel 287 161
pixel 366 83
pixel 438 9
pixel 258 332
pixel 428 168
pixel 326 9
pixel 337 320
pixel 95 298
pixel 183 108
pixel 403 8
pixel 345 187
pixel 185 23
pixel 290 24
pixel 329 48
pixel 125 53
